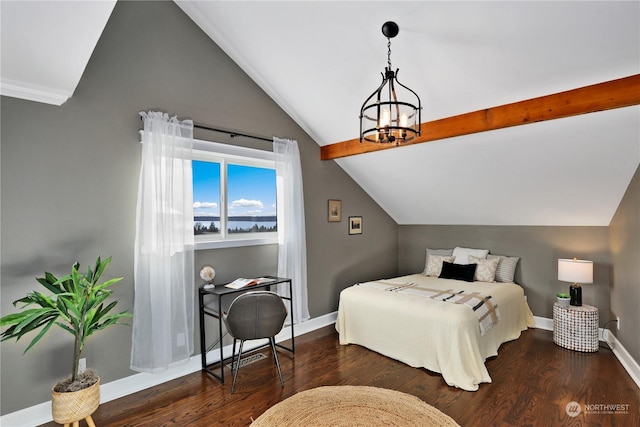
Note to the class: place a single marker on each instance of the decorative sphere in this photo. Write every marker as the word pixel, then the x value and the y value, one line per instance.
pixel 390 29
pixel 207 274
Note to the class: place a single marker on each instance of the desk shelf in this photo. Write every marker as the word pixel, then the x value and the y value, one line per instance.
pixel 216 300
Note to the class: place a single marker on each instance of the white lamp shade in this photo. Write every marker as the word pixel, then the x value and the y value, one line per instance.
pixel 575 270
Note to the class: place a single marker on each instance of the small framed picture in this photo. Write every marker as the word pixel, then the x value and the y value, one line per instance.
pixel 335 210
pixel 355 225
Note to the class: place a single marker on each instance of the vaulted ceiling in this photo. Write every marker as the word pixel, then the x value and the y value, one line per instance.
pixel 46 46
pixel 320 60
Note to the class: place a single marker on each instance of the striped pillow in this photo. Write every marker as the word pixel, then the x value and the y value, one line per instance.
pixel 506 267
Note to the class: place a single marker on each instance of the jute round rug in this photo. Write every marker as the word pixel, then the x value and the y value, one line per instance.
pixel 352 406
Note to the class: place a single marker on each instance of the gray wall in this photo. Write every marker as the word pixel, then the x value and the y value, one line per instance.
pixel 625 253
pixel 538 248
pixel 69 179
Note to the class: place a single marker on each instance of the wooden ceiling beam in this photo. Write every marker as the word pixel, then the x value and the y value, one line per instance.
pixel 609 95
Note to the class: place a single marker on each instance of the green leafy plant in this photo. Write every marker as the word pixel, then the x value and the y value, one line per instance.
pixel 563 295
pixel 77 306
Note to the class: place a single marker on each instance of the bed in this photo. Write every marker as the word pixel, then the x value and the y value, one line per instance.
pixel 429 321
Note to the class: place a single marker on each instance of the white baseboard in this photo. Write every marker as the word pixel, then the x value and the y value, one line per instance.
pixel 543 323
pixel 41 413
pixel 629 363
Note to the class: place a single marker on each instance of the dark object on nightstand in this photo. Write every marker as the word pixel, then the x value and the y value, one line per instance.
pixel 575 291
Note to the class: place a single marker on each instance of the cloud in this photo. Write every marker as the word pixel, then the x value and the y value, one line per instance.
pixel 204 205
pixel 244 203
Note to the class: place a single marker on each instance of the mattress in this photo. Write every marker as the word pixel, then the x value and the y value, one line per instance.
pixel 427 333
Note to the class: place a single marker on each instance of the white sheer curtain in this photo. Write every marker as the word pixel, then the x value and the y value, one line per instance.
pixel 292 253
pixel 163 314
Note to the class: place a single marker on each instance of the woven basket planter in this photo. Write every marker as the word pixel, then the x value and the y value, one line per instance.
pixel 76 405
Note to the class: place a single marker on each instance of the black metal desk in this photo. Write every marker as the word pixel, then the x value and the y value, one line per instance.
pixel 222 298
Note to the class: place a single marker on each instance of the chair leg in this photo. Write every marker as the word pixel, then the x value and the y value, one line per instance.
pixel 236 365
pixel 275 358
pixel 233 353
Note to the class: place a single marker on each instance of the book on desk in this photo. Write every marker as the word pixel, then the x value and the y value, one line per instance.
pixel 245 283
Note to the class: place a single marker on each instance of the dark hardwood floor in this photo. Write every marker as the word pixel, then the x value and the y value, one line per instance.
pixel 533 381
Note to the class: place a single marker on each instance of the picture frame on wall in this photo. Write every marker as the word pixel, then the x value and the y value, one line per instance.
pixel 335 211
pixel 355 225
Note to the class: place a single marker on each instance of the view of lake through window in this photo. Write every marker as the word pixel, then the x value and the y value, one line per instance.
pixel 251 196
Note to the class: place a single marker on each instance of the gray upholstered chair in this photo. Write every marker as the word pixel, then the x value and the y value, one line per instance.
pixel 255 315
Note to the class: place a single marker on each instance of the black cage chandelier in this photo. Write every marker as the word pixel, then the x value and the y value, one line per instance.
pixel 392 113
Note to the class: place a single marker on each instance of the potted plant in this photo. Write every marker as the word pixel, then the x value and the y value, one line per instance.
pixel 563 298
pixel 77 306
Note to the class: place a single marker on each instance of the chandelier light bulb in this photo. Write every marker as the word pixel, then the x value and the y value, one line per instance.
pixel 385 120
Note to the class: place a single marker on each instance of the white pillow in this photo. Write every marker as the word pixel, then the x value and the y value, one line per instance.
pixel 486 269
pixel 434 264
pixel 462 254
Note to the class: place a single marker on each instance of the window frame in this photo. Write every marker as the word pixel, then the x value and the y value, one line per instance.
pixel 224 154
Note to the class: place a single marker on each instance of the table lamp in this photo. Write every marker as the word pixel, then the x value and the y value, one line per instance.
pixel 575 271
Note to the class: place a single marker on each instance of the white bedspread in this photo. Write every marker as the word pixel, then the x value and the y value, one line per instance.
pixel 431 334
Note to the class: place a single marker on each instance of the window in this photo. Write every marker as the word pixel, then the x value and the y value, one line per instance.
pixel 234 196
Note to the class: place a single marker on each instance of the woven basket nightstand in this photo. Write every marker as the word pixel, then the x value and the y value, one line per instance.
pixel 576 328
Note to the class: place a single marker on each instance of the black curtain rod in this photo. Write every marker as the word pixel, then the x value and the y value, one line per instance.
pixel 228 132
pixel 231 134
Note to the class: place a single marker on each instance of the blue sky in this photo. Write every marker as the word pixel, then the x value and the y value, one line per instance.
pixel 252 191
